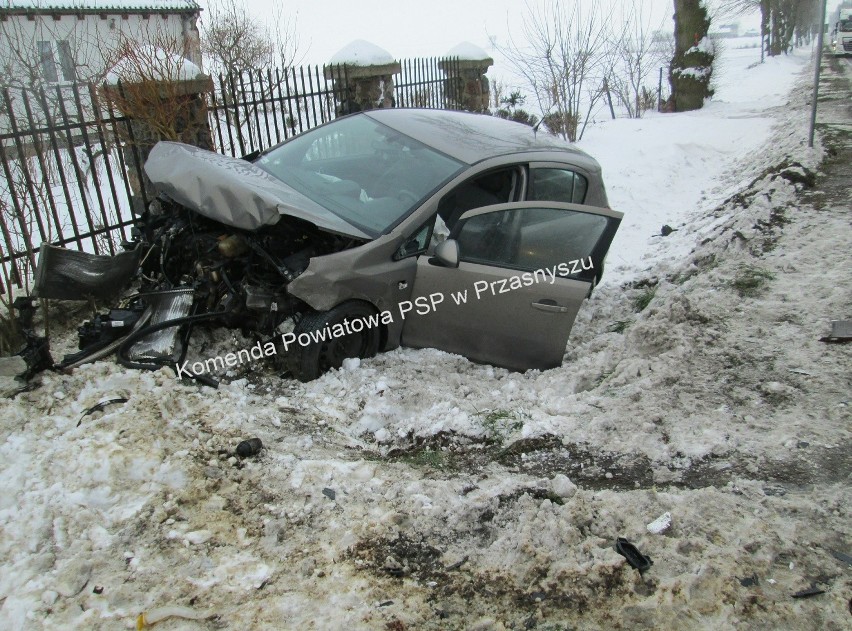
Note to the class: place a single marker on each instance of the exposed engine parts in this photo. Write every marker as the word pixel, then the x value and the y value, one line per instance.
pixel 187 270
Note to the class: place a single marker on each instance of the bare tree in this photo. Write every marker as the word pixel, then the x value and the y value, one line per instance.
pixel 234 41
pixel 48 54
pixel 562 61
pixel 635 51
pixel 254 60
pixel 783 23
pixel 161 93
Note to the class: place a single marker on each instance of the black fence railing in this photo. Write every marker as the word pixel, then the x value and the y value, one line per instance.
pixel 423 83
pixel 253 110
pixel 70 171
pixel 64 175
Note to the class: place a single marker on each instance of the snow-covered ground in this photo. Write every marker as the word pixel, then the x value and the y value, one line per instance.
pixel 417 490
pixel 664 169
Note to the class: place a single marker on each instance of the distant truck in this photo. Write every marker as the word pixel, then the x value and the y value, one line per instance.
pixel 841 40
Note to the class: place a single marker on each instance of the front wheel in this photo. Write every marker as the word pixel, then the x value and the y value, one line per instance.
pixel 325 338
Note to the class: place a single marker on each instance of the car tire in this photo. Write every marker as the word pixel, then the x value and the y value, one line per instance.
pixel 306 363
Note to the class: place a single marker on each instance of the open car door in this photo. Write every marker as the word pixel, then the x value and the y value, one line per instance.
pixel 507 284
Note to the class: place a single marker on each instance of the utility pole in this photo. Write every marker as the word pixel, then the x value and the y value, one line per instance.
pixel 816 74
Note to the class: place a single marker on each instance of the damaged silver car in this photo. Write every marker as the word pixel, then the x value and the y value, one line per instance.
pixel 422 228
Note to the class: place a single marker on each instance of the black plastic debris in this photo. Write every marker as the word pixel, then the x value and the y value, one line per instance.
pixel 635 559
pixel 666 230
pixel 842 556
pixel 250 447
pixel 457 564
pixel 841 332
pixel 36 350
pixel 100 405
pixel 329 493
pixel 807 593
pixel 63 274
pixel 749 581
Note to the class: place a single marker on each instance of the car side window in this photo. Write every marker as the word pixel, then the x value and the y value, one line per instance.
pixel 494 187
pixel 530 238
pixel 416 243
pixel 557 185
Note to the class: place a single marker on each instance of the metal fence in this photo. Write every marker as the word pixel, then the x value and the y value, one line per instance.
pixel 253 110
pixel 70 169
pixel 64 175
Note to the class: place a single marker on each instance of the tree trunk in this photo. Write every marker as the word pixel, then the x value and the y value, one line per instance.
pixel 765 10
pixel 777 28
pixel 692 65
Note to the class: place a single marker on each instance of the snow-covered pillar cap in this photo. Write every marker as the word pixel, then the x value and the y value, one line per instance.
pixel 155 64
pixel 362 59
pixel 470 57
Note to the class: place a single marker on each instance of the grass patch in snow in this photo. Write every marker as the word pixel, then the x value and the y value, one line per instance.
pixel 425 458
pixel 751 280
pixel 641 301
pixel 619 326
pixel 499 423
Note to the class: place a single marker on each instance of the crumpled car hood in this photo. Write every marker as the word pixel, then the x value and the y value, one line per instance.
pixel 232 191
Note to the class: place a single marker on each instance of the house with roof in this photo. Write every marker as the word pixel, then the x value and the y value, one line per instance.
pixel 57 42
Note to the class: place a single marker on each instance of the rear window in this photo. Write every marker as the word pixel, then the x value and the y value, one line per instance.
pixel 557 185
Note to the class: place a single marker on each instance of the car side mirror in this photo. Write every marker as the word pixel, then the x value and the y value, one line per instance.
pixel 446 254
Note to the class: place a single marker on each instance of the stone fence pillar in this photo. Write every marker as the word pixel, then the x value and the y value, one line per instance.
pixel 159 109
pixel 467 85
pixel 362 77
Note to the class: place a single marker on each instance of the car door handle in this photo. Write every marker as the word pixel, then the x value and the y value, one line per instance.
pixel 550 306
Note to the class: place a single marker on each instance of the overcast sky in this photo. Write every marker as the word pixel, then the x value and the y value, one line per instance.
pixel 414 28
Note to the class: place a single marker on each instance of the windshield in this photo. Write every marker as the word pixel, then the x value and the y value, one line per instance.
pixel 364 172
pixel 846 25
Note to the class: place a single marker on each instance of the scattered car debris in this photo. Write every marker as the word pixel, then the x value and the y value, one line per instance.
pixel 35 350
pixel 841 332
pixel 842 556
pixel 750 581
pixel 148 618
pixel 100 405
pixel 661 524
pixel 635 559
pixel 666 230
pixel 248 448
pixel 807 593
pixel 799 371
pixel 457 564
pixel 329 493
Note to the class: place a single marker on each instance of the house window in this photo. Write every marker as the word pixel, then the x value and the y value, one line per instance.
pixel 48 64
pixel 66 60
pixel 47 60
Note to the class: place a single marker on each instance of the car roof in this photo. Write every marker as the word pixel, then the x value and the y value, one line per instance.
pixel 472 138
